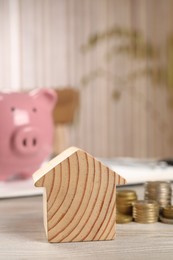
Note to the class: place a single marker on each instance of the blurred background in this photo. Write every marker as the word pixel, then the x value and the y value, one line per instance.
pixel 116 54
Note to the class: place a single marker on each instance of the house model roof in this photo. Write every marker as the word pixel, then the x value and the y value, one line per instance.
pixel 57 160
pixel 53 163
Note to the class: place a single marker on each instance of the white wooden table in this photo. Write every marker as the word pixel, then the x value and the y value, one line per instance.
pixel 22 236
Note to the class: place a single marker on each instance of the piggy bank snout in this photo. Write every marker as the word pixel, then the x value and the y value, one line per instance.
pixel 26 140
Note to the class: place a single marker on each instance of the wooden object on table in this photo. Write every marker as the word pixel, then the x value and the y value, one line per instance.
pixel 79 197
pixel 61 139
pixel 64 114
pixel 68 101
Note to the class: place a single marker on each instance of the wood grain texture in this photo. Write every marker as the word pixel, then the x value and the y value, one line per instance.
pixel 80 198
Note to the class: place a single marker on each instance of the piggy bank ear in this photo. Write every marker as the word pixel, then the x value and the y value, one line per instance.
pixel 45 95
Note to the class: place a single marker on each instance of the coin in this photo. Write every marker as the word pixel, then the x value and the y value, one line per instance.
pixel 145 211
pixel 124 201
pixel 159 191
pixel 166 220
pixel 126 193
pixel 125 209
pixel 122 219
pixel 167 212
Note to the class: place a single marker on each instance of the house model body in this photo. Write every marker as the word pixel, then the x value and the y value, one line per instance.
pixel 79 197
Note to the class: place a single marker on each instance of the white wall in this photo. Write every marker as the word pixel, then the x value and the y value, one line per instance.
pixel 41 46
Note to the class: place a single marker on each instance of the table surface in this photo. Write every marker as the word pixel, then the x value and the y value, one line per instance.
pixel 22 236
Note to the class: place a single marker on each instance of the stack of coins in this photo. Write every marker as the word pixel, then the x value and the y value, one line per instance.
pixel 122 218
pixel 124 202
pixel 167 215
pixel 145 211
pixel 159 191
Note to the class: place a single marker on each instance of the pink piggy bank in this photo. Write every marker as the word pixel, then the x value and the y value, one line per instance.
pixel 26 132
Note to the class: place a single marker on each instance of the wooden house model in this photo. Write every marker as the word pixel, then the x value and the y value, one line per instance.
pixel 79 197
